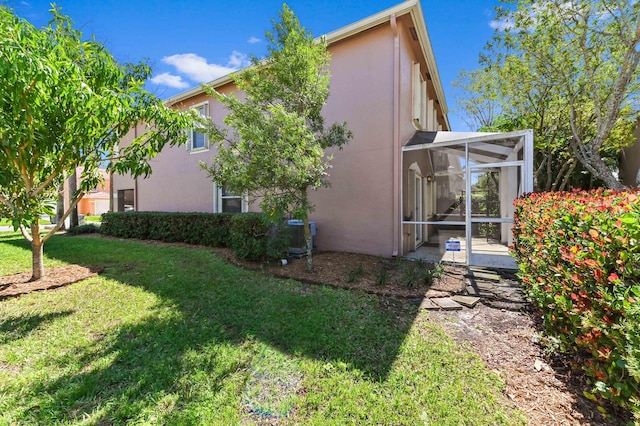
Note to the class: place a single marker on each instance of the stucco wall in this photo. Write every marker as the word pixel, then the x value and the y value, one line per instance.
pixel 631 161
pixel 354 214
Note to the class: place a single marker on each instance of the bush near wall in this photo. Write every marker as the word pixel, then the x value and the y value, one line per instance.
pixel 252 236
pixel 249 234
pixel 579 260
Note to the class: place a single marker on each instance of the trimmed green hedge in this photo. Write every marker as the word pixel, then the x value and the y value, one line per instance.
pixel 579 260
pixel 250 235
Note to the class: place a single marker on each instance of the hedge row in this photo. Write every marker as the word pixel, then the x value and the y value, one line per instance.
pixel 250 235
pixel 579 260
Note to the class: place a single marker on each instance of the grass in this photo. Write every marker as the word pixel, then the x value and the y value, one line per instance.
pixel 173 335
pixel 88 218
pixel 7 222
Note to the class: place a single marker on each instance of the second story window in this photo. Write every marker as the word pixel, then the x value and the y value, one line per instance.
pixel 198 140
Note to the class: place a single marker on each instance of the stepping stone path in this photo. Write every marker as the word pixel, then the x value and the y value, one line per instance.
pixel 495 288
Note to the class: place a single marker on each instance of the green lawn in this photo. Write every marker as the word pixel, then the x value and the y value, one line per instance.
pixel 7 222
pixel 172 335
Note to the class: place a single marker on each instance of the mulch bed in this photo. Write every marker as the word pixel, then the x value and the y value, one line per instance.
pixel 17 284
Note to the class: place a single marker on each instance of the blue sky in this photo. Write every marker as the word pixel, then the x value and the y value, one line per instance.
pixel 191 42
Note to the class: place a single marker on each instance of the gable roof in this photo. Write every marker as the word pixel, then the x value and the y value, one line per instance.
pixel 410 7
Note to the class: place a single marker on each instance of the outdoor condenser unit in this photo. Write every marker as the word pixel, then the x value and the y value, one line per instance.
pixel 297 243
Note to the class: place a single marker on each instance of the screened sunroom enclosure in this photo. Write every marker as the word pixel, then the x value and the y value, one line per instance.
pixel 460 187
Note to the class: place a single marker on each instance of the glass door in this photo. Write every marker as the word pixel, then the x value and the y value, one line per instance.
pixel 492 188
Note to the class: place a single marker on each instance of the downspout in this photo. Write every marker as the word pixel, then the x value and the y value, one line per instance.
pixel 111 190
pixel 396 137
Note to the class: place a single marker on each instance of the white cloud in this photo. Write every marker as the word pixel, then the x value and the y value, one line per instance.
pixel 197 68
pixel 238 60
pixel 501 24
pixel 167 79
pixel 253 40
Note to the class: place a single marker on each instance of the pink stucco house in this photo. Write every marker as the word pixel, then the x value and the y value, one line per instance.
pixel 391 193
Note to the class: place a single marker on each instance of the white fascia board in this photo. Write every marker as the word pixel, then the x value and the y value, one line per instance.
pixel 370 22
pixel 197 90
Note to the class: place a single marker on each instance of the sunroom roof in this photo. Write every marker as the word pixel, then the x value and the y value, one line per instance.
pixel 422 139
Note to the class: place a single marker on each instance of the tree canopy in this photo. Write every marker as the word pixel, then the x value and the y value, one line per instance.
pixel 275 150
pixel 569 70
pixel 64 103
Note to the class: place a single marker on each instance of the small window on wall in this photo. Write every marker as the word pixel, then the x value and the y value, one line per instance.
pixel 198 139
pixel 125 200
pixel 229 202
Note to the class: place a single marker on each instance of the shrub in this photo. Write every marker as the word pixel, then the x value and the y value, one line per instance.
pixel 579 260
pixel 249 234
pixel 89 228
pixel 254 237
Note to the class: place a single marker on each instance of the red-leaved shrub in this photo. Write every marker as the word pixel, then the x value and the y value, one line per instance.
pixel 579 260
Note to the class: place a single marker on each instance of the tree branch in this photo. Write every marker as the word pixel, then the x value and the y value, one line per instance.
pixel 51 177
pixel 64 217
pixel 25 234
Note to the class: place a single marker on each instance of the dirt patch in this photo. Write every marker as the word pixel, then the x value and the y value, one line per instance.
pixel 17 284
pixel 544 388
pixel 377 275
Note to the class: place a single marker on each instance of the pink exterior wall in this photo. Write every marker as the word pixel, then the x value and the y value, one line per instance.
pixel 356 214
pixel 631 161
pixel 177 183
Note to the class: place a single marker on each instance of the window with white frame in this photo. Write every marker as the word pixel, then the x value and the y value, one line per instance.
pixel 229 202
pixel 198 139
pixel 419 95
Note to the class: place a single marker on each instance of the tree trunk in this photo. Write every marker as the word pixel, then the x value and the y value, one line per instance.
pixel 599 169
pixel 309 240
pixel 590 158
pixel 73 187
pixel 60 205
pixel 602 171
pixel 37 263
pixel 307 230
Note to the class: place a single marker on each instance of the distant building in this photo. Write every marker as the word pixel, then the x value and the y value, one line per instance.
pixel 95 202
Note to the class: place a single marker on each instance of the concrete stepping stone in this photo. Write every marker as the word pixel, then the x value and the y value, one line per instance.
pixel 485 275
pixel 485 286
pixel 429 305
pixel 474 291
pixel 447 303
pixel 468 301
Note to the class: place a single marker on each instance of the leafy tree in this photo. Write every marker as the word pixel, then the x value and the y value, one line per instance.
pixel 276 149
pixel 569 70
pixel 66 103
pixel 477 96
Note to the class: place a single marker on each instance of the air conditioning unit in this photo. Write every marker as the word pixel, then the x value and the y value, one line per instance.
pixel 297 243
